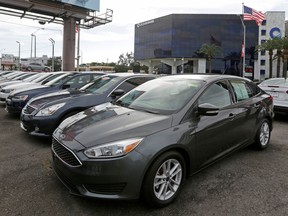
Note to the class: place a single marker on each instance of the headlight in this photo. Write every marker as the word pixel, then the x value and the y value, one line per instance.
pixel 114 149
pixel 50 110
pixel 21 97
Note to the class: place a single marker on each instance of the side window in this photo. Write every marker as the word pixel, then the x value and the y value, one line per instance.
pixel 217 94
pixel 132 83
pixel 242 90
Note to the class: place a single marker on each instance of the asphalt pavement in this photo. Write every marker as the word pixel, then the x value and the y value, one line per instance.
pixel 248 182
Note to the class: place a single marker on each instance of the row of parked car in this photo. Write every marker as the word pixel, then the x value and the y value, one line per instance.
pixel 125 135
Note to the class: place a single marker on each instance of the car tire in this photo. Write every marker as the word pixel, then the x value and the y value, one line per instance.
pixel 263 135
pixel 160 189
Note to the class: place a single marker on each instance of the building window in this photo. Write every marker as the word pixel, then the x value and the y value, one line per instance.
pixel 264 22
pixel 263 41
pixel 263 32
pixel 262 72
pixel 263 52
pixel 262 62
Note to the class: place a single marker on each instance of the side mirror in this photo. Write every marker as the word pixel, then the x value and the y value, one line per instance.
pixel 117 93
pixel 207 109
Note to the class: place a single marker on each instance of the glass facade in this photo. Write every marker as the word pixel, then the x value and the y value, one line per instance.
pixel 182 35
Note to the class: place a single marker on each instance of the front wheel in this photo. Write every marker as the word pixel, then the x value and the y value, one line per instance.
pixel 263 135
pixel 164 179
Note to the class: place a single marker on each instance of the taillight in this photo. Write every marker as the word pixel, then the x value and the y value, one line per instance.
pixel 270 98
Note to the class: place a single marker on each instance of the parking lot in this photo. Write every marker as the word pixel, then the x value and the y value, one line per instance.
pixel 248 182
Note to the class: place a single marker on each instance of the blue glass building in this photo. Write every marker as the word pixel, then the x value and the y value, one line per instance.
pixel 172 43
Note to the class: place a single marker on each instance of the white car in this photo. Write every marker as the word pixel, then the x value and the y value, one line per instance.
pixel 39 81
pixel 278 89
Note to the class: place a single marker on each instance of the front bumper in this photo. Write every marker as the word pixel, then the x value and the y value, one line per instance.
pixel 114 178
pixel 14 106
pixel 3 97
pixel 38 126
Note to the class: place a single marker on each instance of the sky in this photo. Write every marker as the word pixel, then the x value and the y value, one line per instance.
pixel 107 42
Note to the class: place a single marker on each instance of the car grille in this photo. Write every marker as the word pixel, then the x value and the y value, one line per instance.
pixel 109 189
pixel 29 109
pixel 65 154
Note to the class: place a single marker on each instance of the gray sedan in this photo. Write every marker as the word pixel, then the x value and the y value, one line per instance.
pixel 154 137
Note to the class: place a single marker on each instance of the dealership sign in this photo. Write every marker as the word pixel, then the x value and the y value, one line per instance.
pixel 88 4
pixel 7 59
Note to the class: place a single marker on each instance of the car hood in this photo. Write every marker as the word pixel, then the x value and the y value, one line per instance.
pixel 27 88
pixel 20 85
pixel 42 99
pixel 106 123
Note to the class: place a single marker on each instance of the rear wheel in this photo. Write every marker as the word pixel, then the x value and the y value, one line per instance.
pixel 164 179
pixel 263 135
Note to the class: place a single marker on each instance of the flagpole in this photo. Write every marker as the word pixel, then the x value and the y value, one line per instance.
pixel 244 42
pixel 78 46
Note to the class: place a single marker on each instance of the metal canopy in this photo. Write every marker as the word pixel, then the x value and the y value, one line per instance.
pixel 53 11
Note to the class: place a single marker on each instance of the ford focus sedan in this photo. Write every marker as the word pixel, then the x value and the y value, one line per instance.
pixel 152 138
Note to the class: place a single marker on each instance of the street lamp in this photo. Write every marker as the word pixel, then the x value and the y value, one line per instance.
pixel 33 35
pixel 53 42
pixel 19 64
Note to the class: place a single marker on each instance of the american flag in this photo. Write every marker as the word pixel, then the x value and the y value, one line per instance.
pixel 251 14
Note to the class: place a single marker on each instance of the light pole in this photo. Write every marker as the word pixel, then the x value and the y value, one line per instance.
pixel 182 71
pixel 19 59
pixel 32 35
pixel 53 42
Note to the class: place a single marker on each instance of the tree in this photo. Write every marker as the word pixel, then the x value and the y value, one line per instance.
pixel 209 51
pixel 126 60
pixel 285 55
pixel 269 46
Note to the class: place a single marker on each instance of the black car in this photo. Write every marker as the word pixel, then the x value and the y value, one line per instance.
pixel 152 138
pixel 41 117
pixel 18 98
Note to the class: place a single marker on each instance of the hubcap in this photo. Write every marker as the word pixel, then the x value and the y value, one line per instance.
pixel 167 179
pixel 264 133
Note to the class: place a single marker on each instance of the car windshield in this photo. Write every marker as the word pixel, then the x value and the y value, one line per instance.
pixel 32 78
pixel 276 81
pixel 163 96
pixel 58 80
pixel 102 84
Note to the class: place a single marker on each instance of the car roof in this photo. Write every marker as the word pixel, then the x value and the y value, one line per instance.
pixel 205 77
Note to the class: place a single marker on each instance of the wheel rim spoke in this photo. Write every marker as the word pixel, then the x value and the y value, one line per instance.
pixel 264 134
pixel 167 179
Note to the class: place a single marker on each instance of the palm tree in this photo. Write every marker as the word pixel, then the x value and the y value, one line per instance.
pixel 278 46
pixel 210 51
pixel 285 55
pixel 269 46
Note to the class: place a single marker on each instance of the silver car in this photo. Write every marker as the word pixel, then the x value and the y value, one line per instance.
pixel 278 89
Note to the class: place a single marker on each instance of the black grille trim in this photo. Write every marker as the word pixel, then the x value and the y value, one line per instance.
pixel 65 154
pixel 29 109
pixel 107 189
